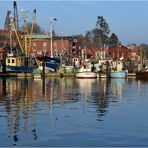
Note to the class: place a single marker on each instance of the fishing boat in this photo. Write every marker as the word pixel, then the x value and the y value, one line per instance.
pixel 142 74
pixel 69 69
pixel 101 75
pixel 85 70
pixel 117 74
pixel 51 63
pixel 86 74
pixel 116 70
pixel 15 63
pixel 19 61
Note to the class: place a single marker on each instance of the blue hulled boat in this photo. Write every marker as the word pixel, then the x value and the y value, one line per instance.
pixel 16 63
pixel 52 63
pixel 117 74
pixel 116 70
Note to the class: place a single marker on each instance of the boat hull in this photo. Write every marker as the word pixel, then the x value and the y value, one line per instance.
pixel 26 69
pixel 117 74
pixel 86 75
pixel 142 75
pixel 69 69
pixel 101 75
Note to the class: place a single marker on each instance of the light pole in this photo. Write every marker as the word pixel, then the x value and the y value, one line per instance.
pixel 51 28
pixel 62 42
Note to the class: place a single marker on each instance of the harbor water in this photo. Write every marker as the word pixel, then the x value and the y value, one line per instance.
pixel 72 112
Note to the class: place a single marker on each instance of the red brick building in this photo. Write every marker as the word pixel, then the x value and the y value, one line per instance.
pixel 41 43
pixel 5 38
pixel 119 51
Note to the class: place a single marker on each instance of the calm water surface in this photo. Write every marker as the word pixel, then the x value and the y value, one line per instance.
pixel 73 112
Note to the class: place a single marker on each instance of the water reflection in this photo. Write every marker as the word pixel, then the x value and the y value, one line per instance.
pixel 101 100
pixel 15 101
pixel 117 86
pixel 34 109
pixel 86 87
pixel 20 100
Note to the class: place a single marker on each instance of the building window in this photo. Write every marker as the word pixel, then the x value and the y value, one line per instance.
pixel 55 48
pixel 34 47
pixel 45 47
pixel 113 55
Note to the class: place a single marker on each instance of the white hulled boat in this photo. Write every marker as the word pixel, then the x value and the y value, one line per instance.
pixel 84 71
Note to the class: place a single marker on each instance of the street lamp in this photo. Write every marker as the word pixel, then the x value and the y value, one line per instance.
pixel 51 27
pixel 62 42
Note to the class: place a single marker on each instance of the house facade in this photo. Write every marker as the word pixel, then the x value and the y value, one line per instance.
pixel 119 51
pixel 41 43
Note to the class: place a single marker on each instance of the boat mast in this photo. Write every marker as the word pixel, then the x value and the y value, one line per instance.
pixel 16 21
pixel 32 27
pixel 11 41
pixel 16 33
pixel 24 13
pixel 51 29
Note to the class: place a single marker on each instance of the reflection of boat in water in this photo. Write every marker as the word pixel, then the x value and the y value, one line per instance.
pixel 85 86
pixel 85 81
pixel 117 86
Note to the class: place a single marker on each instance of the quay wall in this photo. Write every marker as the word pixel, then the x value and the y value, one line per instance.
pixel 31 75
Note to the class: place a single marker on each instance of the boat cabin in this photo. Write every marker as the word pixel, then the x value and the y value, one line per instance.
pixel 14 61
pixel 85 66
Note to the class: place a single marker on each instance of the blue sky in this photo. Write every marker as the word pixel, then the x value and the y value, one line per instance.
pixel 127 19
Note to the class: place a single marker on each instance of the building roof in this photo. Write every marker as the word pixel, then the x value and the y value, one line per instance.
pixel 121 46
pixel 46 36
pixel 91 52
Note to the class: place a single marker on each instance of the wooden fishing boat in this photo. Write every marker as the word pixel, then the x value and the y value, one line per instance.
pixel 143 74
pixel 19 61
pixel 84 71
pixel 51 63
pixel 101 75
pixel 69 69
pixel 116 71
pixel 86 74
pixel 16 63
pixel 117 74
